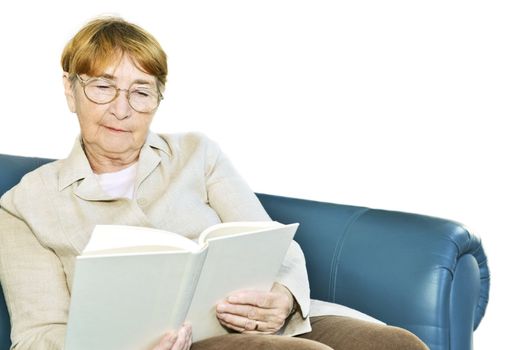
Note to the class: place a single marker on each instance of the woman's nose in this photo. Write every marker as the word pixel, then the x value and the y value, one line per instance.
pixel 121 108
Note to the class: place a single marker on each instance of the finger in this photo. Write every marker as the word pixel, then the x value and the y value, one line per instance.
pixel 235 320
pixel 276 301
pixel 231 326
pixel 180 342
pixel 245 325
pixel 188 342
pixel 167 341
pixel 262 329
pixel 250 297
pixel 273 316
pixel 247 311
pixel 182 338
pixel 238 323
pixel 189 333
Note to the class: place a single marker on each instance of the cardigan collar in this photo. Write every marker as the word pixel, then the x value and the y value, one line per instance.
pixel 76 168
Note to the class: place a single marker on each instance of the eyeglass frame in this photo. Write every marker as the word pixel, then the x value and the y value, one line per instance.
pixel 83 83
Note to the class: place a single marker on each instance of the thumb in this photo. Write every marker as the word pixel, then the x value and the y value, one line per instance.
pixel 167 341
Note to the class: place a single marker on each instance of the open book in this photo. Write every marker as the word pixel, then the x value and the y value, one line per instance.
pixel 132 284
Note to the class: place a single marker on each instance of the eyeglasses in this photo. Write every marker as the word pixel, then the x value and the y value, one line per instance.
pixel 101 91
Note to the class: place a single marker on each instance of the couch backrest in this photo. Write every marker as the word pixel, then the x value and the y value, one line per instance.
pixel 12 168
pixel 322 228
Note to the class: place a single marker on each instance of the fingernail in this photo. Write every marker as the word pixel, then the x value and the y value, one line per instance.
pixel 221 307
pixel 232 299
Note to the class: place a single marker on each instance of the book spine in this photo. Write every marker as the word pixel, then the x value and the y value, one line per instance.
pixel 189 284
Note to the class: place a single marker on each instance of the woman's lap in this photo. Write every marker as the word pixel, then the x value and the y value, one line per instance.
pixel 328 332
pixel 347 333
pixel 257 342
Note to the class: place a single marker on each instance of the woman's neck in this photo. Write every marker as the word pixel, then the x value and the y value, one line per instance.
pixel 110 162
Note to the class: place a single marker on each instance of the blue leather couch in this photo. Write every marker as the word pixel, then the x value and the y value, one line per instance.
pixel 422 273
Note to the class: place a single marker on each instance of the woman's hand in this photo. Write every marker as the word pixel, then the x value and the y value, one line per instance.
pixel 255 311
pixel 182 340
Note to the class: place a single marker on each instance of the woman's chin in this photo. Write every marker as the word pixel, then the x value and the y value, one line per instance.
pixel 119 147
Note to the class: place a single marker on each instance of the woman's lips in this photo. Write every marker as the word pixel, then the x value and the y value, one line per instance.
pixel 114 129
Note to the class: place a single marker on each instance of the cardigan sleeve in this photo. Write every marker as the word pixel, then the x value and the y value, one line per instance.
pixel 228 193
pixel 231 197
pixel 34 286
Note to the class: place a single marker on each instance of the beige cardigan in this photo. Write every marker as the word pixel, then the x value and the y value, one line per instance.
pixel 184 185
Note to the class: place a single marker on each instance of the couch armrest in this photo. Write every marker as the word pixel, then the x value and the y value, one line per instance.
pixel 425 274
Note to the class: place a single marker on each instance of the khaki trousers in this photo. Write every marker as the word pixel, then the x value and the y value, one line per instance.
pixel 329 332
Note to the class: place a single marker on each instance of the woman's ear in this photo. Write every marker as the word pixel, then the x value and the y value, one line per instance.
pixel 69 92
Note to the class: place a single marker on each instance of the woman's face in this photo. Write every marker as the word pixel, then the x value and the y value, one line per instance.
pixel 113 130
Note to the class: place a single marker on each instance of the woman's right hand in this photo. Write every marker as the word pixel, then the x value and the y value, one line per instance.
pixel 182 340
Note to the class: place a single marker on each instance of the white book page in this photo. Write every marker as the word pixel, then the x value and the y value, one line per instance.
pixel 127 302
pixel 133 239
pixel 247 261
pixel 235 228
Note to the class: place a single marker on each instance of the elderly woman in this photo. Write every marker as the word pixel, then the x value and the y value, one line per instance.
pixel 120 173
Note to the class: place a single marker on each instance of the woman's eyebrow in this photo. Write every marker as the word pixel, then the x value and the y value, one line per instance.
pixel 143 82
pixel 137 81
pixel 107 76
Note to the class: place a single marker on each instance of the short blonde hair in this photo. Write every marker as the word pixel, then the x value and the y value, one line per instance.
pixel 104 40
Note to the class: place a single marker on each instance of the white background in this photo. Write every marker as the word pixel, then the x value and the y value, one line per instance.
pixel 404 105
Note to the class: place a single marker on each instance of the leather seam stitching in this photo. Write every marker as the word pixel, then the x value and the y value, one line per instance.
pixel 338 251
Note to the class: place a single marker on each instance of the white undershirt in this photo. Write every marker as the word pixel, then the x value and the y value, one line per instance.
pixel 119 184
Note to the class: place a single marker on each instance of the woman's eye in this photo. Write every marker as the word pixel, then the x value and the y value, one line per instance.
pixel 143 93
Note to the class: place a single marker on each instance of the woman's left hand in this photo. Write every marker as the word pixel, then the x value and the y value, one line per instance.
pixel 255 311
